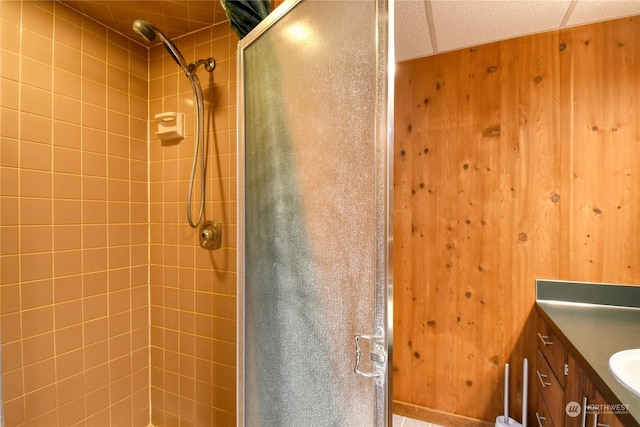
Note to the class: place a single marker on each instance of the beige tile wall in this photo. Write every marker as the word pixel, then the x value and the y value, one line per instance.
pixel 193 303
pixel 73 220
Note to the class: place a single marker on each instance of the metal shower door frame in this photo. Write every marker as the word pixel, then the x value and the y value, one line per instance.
pixel 384 222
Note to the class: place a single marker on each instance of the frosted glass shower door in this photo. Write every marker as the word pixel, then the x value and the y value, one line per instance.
pixel 314 240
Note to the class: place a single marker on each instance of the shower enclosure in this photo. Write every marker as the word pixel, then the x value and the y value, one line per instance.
pixel 315 234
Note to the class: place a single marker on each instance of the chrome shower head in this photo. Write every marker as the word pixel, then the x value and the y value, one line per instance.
pixel 149 33
pixel 144 29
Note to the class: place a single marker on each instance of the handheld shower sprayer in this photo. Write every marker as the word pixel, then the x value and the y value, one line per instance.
pixel 149 33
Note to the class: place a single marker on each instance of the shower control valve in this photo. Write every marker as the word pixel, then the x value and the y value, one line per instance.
pixel 211 235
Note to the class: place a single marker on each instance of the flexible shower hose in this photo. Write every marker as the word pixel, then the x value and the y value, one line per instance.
pixel 198 146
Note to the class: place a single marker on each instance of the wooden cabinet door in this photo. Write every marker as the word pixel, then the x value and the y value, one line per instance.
pixel 593 408
pixel 603 415
pixel 579 391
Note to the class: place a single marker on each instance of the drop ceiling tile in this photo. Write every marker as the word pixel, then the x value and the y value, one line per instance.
pixel 412 38
pixel 462 23
pixel 588 11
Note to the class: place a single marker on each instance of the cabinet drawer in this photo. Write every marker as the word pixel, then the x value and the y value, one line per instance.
pixel 553 350
pixel 542 417
pixel 551 390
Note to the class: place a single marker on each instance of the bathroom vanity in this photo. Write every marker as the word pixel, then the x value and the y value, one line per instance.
pixel 580 326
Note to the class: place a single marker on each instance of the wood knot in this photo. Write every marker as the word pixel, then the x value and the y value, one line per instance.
pixel 597 211
pixel 522 237
pixel 492 69
pixel 555 197
pixel 402 153
pixel 562 46
pixel 538 79
pixel 492 131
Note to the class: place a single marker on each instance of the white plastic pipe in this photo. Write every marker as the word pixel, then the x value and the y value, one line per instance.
pixel 525 386
pixel 506 393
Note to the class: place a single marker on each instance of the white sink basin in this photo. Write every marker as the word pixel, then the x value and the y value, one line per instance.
pixel 625 367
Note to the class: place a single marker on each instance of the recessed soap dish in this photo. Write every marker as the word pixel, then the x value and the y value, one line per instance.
pixel 170 126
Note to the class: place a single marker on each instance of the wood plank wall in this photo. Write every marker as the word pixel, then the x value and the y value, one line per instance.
pixel 514 161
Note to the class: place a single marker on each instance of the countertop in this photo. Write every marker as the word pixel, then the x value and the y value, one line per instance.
pixel 595 321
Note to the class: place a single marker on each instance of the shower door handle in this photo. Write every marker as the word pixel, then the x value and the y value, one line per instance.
pixel 378 356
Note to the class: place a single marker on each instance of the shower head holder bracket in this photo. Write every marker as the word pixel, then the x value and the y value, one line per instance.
pixel 209 65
